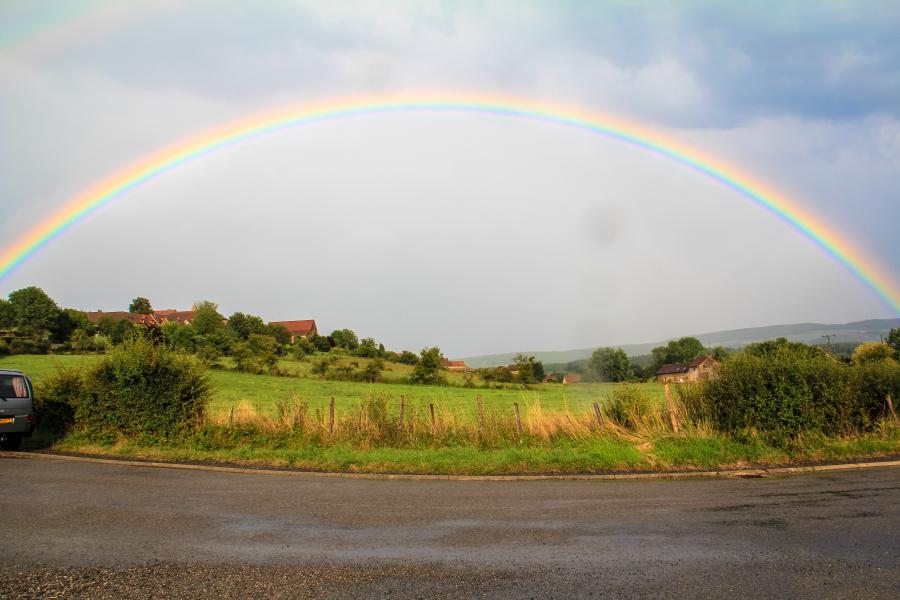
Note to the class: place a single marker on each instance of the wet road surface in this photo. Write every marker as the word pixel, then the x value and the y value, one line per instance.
pixel 92 530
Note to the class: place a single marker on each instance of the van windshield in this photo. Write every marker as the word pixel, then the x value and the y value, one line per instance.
pixel 13 386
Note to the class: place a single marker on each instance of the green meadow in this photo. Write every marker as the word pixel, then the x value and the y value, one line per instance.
pixel 260 393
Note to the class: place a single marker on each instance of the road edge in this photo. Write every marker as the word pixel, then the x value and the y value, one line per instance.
pixel 719 474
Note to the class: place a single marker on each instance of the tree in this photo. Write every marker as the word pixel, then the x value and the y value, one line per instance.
pixel 720 353
pixel 7 314
pixel 893 341
pixel 207 318
pixel 770 349
pixel 33 310
pixel 180 336
pixel 525 367
pixel 367 348
pixel 68 321
pixel 278 332
pixel 345 338
pixel 320 342
pixel 141 306
pixel 256 354
pixel 117 330
pixel 872 352
pixel 610 364
pixel 428 370
pixel 243 325
pixel 539 370
pixel 682 350
pixel 408 358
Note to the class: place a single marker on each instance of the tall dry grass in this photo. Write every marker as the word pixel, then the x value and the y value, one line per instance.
pixel 626 413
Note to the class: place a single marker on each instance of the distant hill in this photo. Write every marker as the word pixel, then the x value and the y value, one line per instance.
pixel 858 331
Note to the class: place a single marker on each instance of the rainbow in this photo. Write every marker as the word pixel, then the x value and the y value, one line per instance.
pixel 99 195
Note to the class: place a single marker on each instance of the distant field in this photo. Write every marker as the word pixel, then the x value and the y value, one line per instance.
pixel 261 392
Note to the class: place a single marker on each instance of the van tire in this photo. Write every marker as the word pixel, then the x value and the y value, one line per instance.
pixel 11 441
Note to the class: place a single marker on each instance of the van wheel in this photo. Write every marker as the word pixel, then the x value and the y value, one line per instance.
pixel 11 441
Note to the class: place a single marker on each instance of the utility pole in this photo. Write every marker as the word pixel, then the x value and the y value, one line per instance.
pixel 828 339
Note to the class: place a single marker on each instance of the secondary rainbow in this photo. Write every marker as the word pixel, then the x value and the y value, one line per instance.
pixel 93 198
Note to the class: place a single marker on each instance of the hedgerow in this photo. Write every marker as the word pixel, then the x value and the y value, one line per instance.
pixel 137 389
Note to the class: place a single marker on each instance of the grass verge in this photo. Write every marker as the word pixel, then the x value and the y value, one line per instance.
pixel 600 455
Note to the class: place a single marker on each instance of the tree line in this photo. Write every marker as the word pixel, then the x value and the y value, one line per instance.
pixel 31 322
pixel 613 365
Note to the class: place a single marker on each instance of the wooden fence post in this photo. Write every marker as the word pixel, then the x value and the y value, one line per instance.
pixel 671 410
pixel 331 417
pixel 433 425
pixel 598 415
pixel 518 420
pixel 480 403
pixel 230 416
pixel 402 408
pixel 890 403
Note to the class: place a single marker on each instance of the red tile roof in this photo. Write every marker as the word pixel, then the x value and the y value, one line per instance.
pixel 121 315
pixel 301 328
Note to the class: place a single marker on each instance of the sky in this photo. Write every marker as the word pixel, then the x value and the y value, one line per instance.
pixel 472 232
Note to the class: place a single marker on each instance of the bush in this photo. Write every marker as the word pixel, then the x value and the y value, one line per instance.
pixel 785 391
pixel 694 403
pixel 28 346
pixel 628 406
pixel 53 400
pixel 137 389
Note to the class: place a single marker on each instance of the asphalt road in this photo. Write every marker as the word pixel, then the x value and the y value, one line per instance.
pixel 89 530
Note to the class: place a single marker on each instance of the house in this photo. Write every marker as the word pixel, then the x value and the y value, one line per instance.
pixel 299 329
pixel 121 315
pixel 550 378
pixel 155 319
pixel 513 369
pixel 184 317
pixel 697 370
pixel 571 378
pixel 453 365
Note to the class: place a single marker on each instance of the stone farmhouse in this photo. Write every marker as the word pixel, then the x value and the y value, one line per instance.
pixel 697 370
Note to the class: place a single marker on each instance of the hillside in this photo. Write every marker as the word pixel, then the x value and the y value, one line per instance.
pixel 857 331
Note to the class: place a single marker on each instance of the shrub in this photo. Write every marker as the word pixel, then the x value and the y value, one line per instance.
pixel 138 388
pixel 694 403
pixel 872 352
pixel 628 406
pixel 786 391
pixel 28 346
pixel 53 400
pixel 4 348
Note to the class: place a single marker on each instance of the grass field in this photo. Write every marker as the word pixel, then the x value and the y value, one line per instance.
pixel 261 392
pixel 558 433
